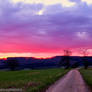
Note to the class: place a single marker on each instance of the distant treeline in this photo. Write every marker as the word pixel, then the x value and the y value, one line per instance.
pixel 18 63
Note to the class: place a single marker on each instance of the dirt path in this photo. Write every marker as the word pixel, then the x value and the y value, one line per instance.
pixel 71 82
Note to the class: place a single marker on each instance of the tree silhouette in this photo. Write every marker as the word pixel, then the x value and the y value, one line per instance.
pixel 84 52
pixel 12 63
pixel 66 59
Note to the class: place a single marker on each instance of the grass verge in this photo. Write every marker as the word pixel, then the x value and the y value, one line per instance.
pixel 87 75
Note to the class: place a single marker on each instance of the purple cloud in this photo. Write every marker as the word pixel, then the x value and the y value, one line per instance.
pixel 57 28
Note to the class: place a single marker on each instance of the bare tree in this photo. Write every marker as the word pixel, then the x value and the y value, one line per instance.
pixel 67 54
pixel 66 59
pixel 85 53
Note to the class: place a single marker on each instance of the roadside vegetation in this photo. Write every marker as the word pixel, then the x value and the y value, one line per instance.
pixel 87 75
pixel 30 80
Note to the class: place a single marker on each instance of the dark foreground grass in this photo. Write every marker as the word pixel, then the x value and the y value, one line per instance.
pixel 87 75
pixel 30 80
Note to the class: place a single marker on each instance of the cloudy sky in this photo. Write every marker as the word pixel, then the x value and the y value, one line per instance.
pixel 44 28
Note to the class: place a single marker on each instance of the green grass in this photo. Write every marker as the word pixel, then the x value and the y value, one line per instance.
pixel 87 75
pixel 30 80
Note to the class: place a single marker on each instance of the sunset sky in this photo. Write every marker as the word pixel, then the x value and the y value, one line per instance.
pixel 44 28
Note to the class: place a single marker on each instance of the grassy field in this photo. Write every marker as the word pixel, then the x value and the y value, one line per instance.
pixel 87 75
pixel 30 80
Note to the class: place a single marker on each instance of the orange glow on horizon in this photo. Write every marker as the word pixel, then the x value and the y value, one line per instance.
pixel 43 55
pixel 36 55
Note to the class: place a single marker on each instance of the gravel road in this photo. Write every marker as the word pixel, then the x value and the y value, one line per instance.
pixel 71 82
